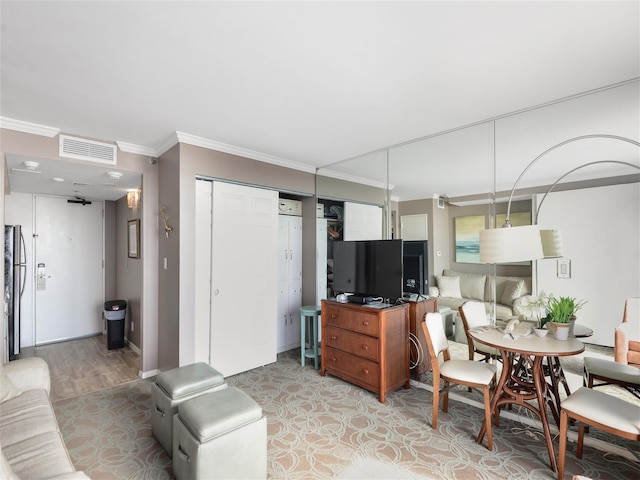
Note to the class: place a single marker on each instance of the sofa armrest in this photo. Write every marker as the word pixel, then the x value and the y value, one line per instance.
pixel 434 292
pixel 28 374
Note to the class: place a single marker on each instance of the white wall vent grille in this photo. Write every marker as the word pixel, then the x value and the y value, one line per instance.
pixel 90 150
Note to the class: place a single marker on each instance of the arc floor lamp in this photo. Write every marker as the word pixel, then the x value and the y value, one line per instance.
pixel 517 244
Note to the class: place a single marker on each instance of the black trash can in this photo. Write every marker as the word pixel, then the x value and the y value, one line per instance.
pixel 115 312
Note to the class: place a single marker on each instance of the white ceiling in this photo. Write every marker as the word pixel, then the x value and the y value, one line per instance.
pixel 61 178
pixel 311 83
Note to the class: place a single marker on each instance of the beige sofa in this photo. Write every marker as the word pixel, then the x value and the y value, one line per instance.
pixel 32 445
pixel 455 288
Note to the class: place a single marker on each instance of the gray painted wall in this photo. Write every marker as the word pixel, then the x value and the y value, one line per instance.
pixel 129 271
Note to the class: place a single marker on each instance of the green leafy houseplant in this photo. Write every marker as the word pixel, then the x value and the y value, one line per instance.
pixel 574 305
pixel 562 309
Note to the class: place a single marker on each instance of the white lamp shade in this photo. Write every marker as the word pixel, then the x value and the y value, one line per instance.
pixel 551 243
pixel 510 244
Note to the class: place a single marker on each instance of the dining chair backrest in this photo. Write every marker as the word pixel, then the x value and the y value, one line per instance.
pixel 436 338
pixel 474 313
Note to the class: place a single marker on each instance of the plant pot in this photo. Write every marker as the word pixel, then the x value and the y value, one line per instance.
pixel 560 330
pixel 572 324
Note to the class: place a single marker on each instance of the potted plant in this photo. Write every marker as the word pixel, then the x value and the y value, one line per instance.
pixel 558 310
pixel 561 313
pixel 573 305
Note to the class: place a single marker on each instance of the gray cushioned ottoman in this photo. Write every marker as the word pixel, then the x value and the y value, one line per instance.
pixel 174 387
pixel 220 435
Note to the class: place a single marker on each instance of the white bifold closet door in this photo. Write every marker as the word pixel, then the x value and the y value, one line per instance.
pixel 243 272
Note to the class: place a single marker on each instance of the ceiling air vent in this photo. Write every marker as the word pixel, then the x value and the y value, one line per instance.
pixel 90 150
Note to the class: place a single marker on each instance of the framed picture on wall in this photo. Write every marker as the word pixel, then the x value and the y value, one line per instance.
pixel 133 238
pixel 468 238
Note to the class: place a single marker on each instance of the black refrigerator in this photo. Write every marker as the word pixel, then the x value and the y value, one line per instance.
pixel 15 269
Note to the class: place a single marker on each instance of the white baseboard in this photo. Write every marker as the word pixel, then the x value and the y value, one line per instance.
pixel 151 373
pixel 133 347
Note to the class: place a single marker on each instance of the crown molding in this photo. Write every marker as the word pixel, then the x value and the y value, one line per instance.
pixel 27 127
pixel 242 152
pixel 168 144
pixel 137 149
pixel 353 178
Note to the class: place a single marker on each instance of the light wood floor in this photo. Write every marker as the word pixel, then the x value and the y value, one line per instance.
pixel 78 367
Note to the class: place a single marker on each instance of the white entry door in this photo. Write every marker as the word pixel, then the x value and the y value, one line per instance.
pixel 244 274
pixel 69 269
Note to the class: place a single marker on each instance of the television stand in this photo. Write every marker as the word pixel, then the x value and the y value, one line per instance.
pixel 368 347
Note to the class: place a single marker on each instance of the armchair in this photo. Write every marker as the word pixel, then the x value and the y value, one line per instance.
pixel 627 335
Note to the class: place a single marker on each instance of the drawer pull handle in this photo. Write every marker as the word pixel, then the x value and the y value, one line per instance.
pixel 365 347
pixel 159 411
pixel 365 371
pixel 333 315
pixel 333 337
pixel 365 323
pixel 334 359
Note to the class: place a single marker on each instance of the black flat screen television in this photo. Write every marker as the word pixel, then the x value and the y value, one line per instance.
pixel 368 268
pixel 415 263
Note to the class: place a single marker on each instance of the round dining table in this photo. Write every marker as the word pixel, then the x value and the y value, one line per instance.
pixel 523 374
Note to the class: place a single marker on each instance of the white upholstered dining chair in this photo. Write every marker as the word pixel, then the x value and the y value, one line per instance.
pixel 462 372
pixel 625 370
pixel 473 314
pixel 592 408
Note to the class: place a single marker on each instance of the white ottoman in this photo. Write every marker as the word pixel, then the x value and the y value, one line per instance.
pixel 220 435
pixel 174 387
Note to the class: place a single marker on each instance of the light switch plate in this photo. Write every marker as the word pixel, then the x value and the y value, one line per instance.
pixel 564 268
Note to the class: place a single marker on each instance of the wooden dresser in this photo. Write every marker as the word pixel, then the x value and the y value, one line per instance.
pixel 366 346
pixel 420 360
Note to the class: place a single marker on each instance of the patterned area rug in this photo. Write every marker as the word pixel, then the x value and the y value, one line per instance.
pixel 108 434
pixel 373 469
pixel 321 428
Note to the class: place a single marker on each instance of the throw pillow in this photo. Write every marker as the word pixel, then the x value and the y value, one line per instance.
pixel 449 287
pixel 472 286
pixel 512 290
pixel 7 389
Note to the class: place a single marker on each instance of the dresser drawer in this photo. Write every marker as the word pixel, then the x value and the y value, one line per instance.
pixel 365 371
pixel 351 342
pixel 355 320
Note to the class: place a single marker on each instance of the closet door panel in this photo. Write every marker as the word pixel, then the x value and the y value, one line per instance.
pixel 244 278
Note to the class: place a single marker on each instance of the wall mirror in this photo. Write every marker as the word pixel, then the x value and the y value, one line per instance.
pixel 467 168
